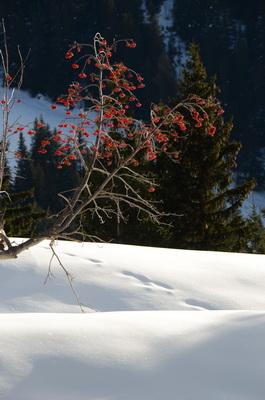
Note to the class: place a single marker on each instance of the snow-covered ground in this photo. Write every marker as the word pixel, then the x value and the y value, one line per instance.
pixel 160 324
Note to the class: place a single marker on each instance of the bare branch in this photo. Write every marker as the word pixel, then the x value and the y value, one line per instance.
pixel 117 143
pixel 68 275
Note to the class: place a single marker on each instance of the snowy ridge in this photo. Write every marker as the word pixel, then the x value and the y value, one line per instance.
pixel 29 108
pixel 25 112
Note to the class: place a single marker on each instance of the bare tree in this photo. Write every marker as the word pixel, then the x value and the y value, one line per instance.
pixel 105 138
pixel 11 84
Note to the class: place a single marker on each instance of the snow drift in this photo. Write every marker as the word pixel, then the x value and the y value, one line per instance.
pixel 170 324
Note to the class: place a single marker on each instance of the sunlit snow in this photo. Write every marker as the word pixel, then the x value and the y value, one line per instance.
pixel 159 324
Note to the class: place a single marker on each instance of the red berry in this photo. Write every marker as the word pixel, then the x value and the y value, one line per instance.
pixel 69 55
pixel 82 75
pixel 131 44
pixel 151 189
pixel 211 130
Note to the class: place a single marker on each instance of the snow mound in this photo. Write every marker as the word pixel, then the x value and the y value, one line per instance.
pixel 133 355
pixel 170 324
pixel 112 277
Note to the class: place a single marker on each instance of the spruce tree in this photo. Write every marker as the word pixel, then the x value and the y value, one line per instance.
pixel 24 178
pixel 22 214
pixel 5 199
pixel 256 232
pixel 200 188
pixel 49 181
pixel 43 166
pixel 20 211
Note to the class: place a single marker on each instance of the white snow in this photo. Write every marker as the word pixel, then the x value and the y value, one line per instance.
pixel 160 324
pixel 29 108
pixel 139 355
pixel 165 20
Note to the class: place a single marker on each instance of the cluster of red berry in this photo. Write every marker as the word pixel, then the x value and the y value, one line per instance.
pixel 108 90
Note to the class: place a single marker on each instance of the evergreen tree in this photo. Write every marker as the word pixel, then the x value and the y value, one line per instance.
pixel 49 181
pixel 24 178
pixel 22 214
pixel 234 50
pixel 44 167
pixel 256 233
pixel 5 199
pixel 20 210
pixel 200 187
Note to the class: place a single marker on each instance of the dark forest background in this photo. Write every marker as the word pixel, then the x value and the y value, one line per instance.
pixel 231 38
pixel 231 35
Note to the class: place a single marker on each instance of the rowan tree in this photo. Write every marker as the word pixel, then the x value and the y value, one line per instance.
pixel 106 140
